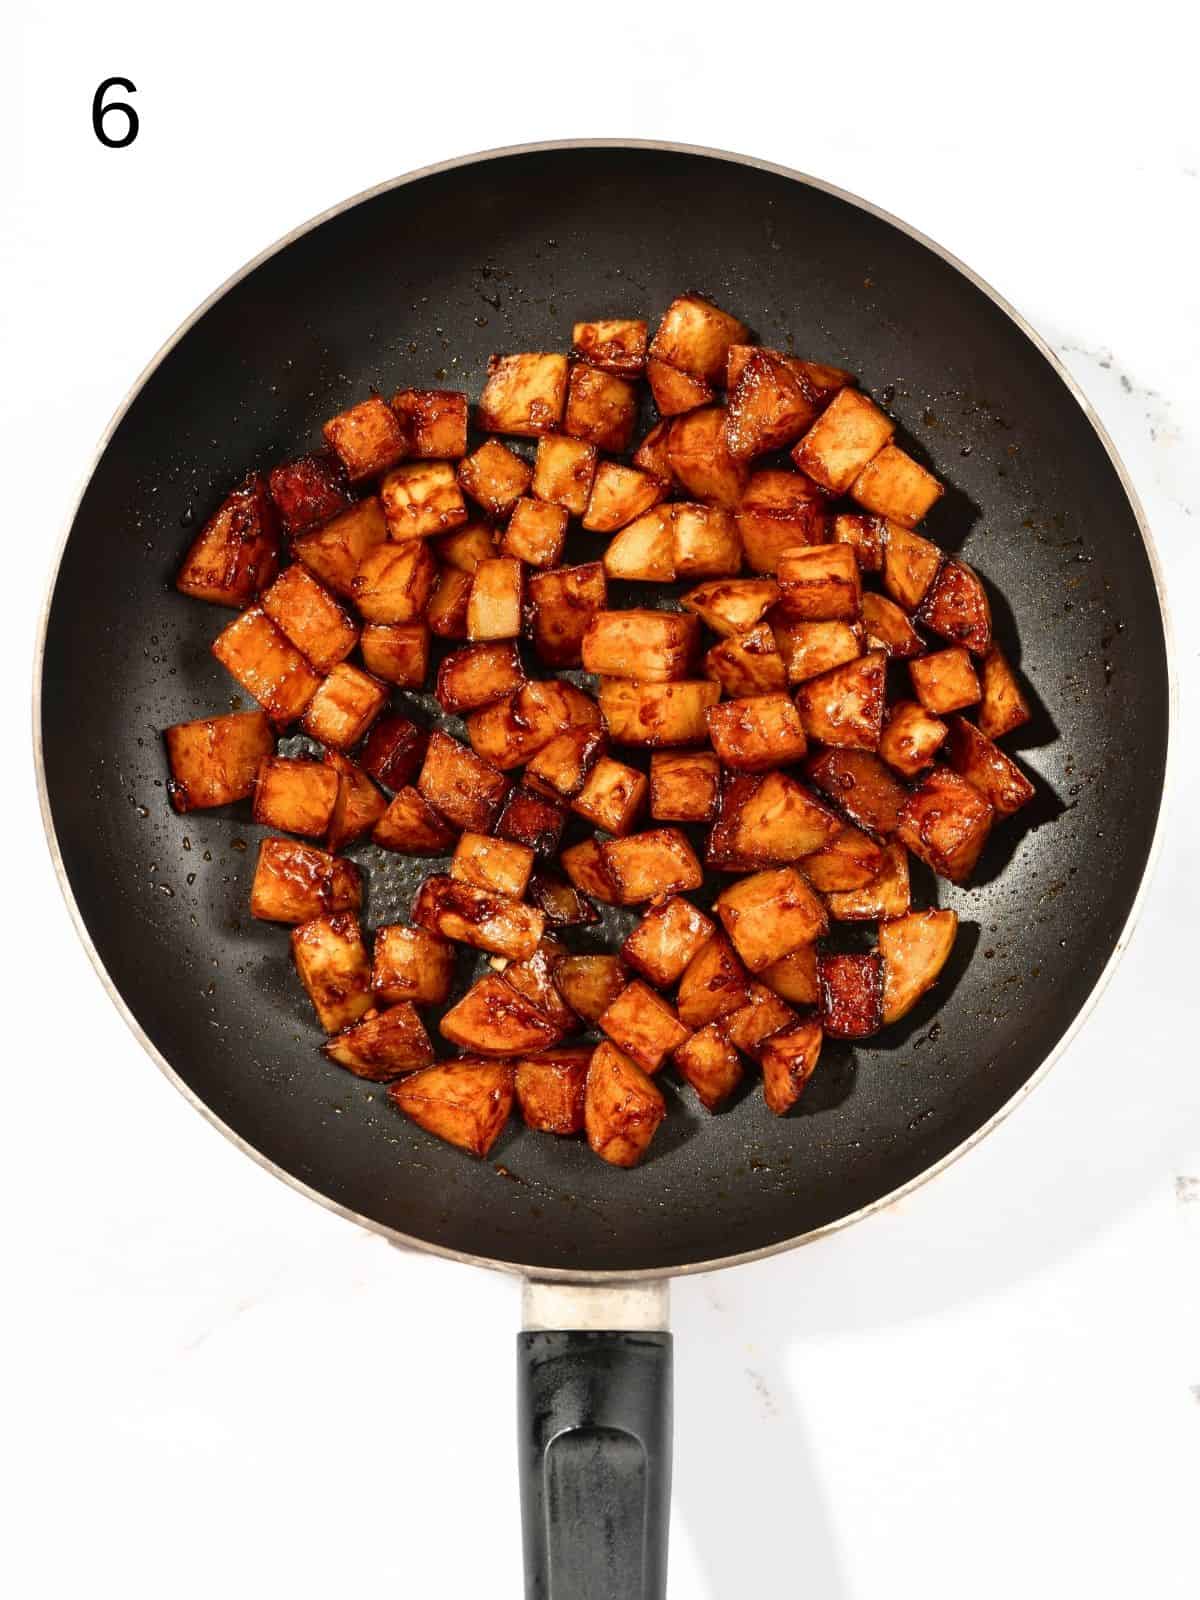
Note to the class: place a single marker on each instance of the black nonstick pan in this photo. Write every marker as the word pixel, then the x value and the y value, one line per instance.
pixel 418 283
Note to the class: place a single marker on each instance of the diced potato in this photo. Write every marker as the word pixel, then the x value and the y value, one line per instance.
pixel 945 681
pixel 1004 706
pixel 551 1088
pixel 769 914
pixel 534 979
pixel 748 663
pixel 644 551
pixel 585 867
pixel 700 459
pixel 788 1062
pixel 367 439
pixel 887 894
pixel 888 628
pixel 560 768
pixel 695 335
pixel 657 714
pixel 466 547
pixel 446 612
pixel 531 819
pixel 497 864
pixel 684 787
pixel 601 408
pixel 985 766
pixel 660 645
pixel 946 823
pixel 236 553
pixel 564 471
pixel 851 860
pixel 478 917
pixel 643 1025
pixel 358 806
pixel 845 707
pixel 458 783
pixel 720 854
pixel 821 381
pixel 653 454
pixel 620 495
pixel 435 421
pixel 536 532
pixel 561 604
pixel 751 735
pixel 780 511
pixel 295 796
pixel 811 648
pixel 714 983
pixel 861 785
pixel 564 905
pixel 647 865
pixel 705 541
pixel 466 1103
pixel 674 391
pixel 910 565
pixel 760 1016
pixel 794 977
pixel 848 433
pixel 383 1045
pixel 512 731
pixel 851 995
pixel 710 1064
pixel 622 1107
pixel 334 968
pixel 769 406
pixel 397 652
pixel 778 820
pixel 895 486
pixel 494 604
pixel 394 751
pixel 732 605
pixel 866 536
pixel 296 882
pixel 495 477
pixel 267 665
pixel 495 1020
pixel 612 796
pixel 666 939
pixel 478 675
pixel 411 826
pixel 336 551
pixel 614 344
pixel 215 760
pixel 914 949
pixel 590 984
pixel 956 607
pixel 524 394
pixel 420 498
pixel 411 964
pixel 820 583
pixel 395 582
pixel 308 492
pixel 344 707
pixel 911 738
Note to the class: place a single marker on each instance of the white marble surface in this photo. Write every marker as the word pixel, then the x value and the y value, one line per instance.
pixel 212 1386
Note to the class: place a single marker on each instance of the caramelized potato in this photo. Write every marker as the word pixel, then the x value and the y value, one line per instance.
pixel 911 738
pixel 619 495
pixel 601 408
pixel 914 949
pixel 467 546
pixel 788 1062
pixel 420 498
pixel 770 914
pixel 560 768
pixel 945 681
pixel 551 1088
pixel 845 707
pixel 946 823
pixel 895 486
pixel 700 460
pixel 650 864
pixel 435 421
pixel 512 731
pixel 344 706
pixel 524 394
pixel 780 511
pixel 384 1045
pixel 809 649
pixel 411 964
pixel 497 864
pixel 778 820
pixel 653 454
pixel 661 645
pixel 622 1107
pixel 478 917
pixel 760 1016
pixel 561 604
pixel 612 796
pixel 533 820
pixel 252 650
pixel 985 766
pixel 956 607
pixel 563 472
pixel 394 751
pixel 657 713
pixel 820 583
pixel 851 860
pixel 495 477
pixel 821 381
pixel 334 968
pixel 308 492
pixel 1004 707
pixel 887 894
pixel 714 983
pixel 358 806
pixel 643 1025
pixel 751 735
pixel 446 612
pixel 494 604
pixel 536 532
pixel 732 605
pixel 563 904
pixel 710 1064
pixel 888 628
pixel 769 406
pixel 534 979
pixel 215 760
pixel 861 785
pixel 684 787
pixel 720 854
pixel 747 664
pixel 614 344
pixel 366 439
pixel 590 984
pixel 236 553
pixel 295 796
pixel 478 675
pixel 695 335
pixel 794 976
pixel 394 582
pixel 910 565
pixel 666 939
pixel 466 1103
pixel 848 433
pixel 335 552
pixel 705 542
pixel 674 391
pixel 411 827
pixel 493 1019
pixel 644 551
pixel 584 865
pixel 866 536
pixel 851 995
pixel 397 652
pixel 458 783
pixel 296 882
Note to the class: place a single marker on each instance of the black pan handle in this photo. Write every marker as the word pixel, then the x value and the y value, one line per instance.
pixel 594 1414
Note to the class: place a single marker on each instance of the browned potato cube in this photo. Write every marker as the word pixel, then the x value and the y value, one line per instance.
pixel 780 511
pixel 821 381
pixel 770 406
pixel 358 806
pixel 769 914
pixel 706 542
pixel 497 864
pixel 551 1088
pixel 495 1020
pixel 565 905
pixel 420 498
pixel 861 785
pixel 305 612
pixel 700 460
pixel 590 984
pixel 495 477
pixel 695 335
pixel 601 408
pixel 460 784
pixel 395 582
pixel 397 652
pixel 778 820
pixel 866 536
pixel 215 760
pixel 411 964
pixel 911 738
pixel 478 675
pixel 612 796
pixel 788 1062
pixel 659 645
pixel 956 606
pixel 845 707
pixel 644 552
pixel 848 433
pixel 336 551
pixel 466 1103
pixel 887 894
pixel 466 547
pixel 910 564
pixel 296 796
pixel 614 344
pixel 1004 707
pixel 561 604
pixel 914 949
pixel 751 735
pixel 657 713
pixel 478 917
pixel 619 495
pixel 524 394
pixel 820 583
pixel 851 860
pixel 732 605
pixel 676 392
pixel 720 855
pixel 761 1015
pixel 650 864
pixel 684 788
pixel 531 819
pixel 851 995
pixel 296 882
pixel 533 978
pixel 334 968
pixel 811 648
pixel 653 454
pixel 888 628
pixel 512 731
pixel 895 486
pixel 308 492
pixel 666 939
pixel 984 765
pixel 344 707
pixel 560 768
pixel 394 751
pixel 494 604
pixel 714 983
pixel 236 553
pixel 536 532
pixel 563 472
pixel 946 823
pixel 446 612
pixel 794 978
pixel 748 663
pixel 367 439
pixel 710 1064
pixel 945 681
pixel 411 827
pixel 435 420
pixel 267 665
pixel 622 1107
pixel 643 1025
pixel 383 1045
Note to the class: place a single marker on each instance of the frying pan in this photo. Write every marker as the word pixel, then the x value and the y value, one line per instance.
pixel 417 283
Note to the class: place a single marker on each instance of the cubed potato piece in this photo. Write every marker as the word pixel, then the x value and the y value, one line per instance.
pixel 769 407
pixel 760 1016
pixel 647 865
pixel 887 627
pixel 394 751
pixel 660 645
pixel 215 760
pixel 914 949
pixel 676 392
pixel 666 939
pixel 751 735
pixel 296 882
pixel 435 421
pixel 421 498
pixel 653 454
pixel 551 1088
pixel 946 822
pixel 495 477
pixel 536 532
pixel 564 905
pixel 236 553
pixel 887 895
pixel 789 1061
pixel 710 1064
pixel 732 605
pixel 945 681
pixel 866 536
pixel 769 914
pixel 335 552
pixel 561 604
pixel 911 738
pixel 534 979
pixel 358 806
pixel 564 471
pixel 700 460
pixel 511 732
pixel 794 978
pixel 478 675
pixel 657 714
pixel 845 707
pixel 779 821
pixel 344 707
pixel 706 542
pixel 984 765
pixel 479 917
pixel 411 964
pixel 383 1045
pixel 560 768
pixel 268 666
pixel 1004 707
pixel 463 787
pixel 524 394
pixel 411 827
pixel 780 511
pixel 601 408
pixel 622 1107
pixel 861 785
pixel 612 796
pixel 685 787
pixel 848 433
pixel 295 796
pixel 695 335
pixel 367 439
pixel 748 663
pixel 446 612
pixel 956 607
pixel 643 1025
pixel 493 1019
pixel 496 864
pixel 308 492
pixel 306 613
pixel 811 648
pixel 619 496
pixel 466 547
pixel 533 820
pixel 851 995
pixel 720 855
pixel 494 604
pixel 590 984
pixel 895 486
pixel 397 652
pixel 821 381
pixel 334 968
pixel 820 583
pixel 465 1103
pixel 851 860
pixel 644 552
pixel 714 983
pixel 614 344
pixel 395 582
pixel 910 565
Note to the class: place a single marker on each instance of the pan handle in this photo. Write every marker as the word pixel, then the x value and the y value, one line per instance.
pixel 594 1419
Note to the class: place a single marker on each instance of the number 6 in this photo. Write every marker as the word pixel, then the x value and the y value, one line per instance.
pixel 100 111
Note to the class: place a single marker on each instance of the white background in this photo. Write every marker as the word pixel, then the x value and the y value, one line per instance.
pixel 213 1386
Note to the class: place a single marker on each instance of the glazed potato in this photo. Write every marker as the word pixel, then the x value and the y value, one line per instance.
pixel 822 382
pixel 394 750
pixel 895 486
pixel 367 439
pixel 769 407
pixel 335 552
pixel 511 732
pixel 732 605
pixel 778 820
pixel 344 706
pixel 466 547
pixel 383 1045
pixel 308 492
pixel 945 681
pixel 684 787
pixel 914 949
pixel 268 666
pixel 536 532
pixel 946 822
pixel 851 860
pixel 643 1025
pixel 459 784
pixel 719 852
pixel 770 914
pixel 564 471
pixel 760 1016
pixel 500 865
pixel 751 735
pixel 748 663
pixel 411 964
pixel 478 675
pixel 620 495
pixel 1003 707
pixel 674 391
pixel 495 477
pixel 397 652
pixel 866 536
pixel 911 738
pixel 236 553
pixel 533 820
pixel 561 767
pixel 644 551
pixel 421 498
pixel 820 583
pixel 479 917
pixel 660 645
pixel 614 344
pixel 394 582
pixel 446 612
pixel 705 542
pixel 700 460
pixel 788 1062
pixel 295 796
pixel 551 1088
pixel 810 648
pixel 714 983
pixel 657 714
pixel 296 882
pixel 561 604
pixel 647 865
pixel 794 977
pixel 534 979
pixel 565 906
pixel 334 968
pixel 612 796
pixel 845 707
pixel 411 827
pixel 465 1103
pixel 985 766
pixel 710 1064
pixel 215 760
pixel 666 939
pixel 493 1019
pixel 780 511
pixel 358 806
pixel 888 628
pixel 910 565
pixel 435 421
pixel 861 785
pixel 601 408
pixel 653 454
pixel 494 603
pixel 695 335
pixel 524 394
pixel 848 433
pixel 851 995
pixel 584 865
pixel 590 984
pixel 622 1107
pixel 887 894
pixel 956 607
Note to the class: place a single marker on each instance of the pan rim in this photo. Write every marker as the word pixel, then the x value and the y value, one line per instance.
pixel 607 1276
